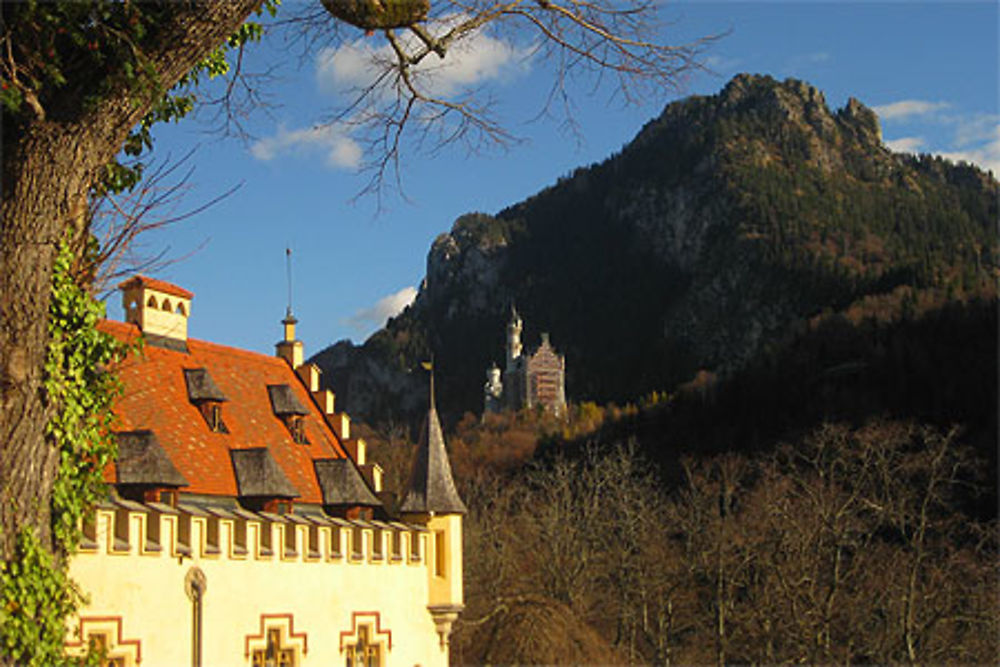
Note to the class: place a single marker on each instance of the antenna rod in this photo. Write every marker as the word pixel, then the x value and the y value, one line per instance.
pixel 288 271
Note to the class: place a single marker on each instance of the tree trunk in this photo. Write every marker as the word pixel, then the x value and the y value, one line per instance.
pixel 43 194
pixel 48 169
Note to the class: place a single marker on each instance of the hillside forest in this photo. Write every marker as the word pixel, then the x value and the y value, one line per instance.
pixel 781 344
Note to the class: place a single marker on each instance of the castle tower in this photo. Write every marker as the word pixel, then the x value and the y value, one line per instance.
pixel 514 328
pixel 433 502
pixel 493 391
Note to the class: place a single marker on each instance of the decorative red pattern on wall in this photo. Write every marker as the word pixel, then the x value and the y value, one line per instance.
pixel 264 618
pixel 346 634
pixel 118 641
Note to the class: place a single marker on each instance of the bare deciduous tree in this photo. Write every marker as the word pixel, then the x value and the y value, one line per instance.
pixel 77 78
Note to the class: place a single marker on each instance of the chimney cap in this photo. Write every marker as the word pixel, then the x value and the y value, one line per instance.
pixel 158 285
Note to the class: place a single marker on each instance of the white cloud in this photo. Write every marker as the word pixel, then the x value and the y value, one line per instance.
pixel 986 154
pixel 470 61
pixel 365 320
pixel 974 129
pixel 722 64
pixel 906 108
pixel 341 150
pixel 797 63
pixel 905 144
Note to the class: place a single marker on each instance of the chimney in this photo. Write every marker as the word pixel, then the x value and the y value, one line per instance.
pixel 158 308
pixel 289 349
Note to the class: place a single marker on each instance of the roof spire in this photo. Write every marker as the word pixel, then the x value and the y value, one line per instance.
pixel 429 367
pixel 288 274
pixel 432 488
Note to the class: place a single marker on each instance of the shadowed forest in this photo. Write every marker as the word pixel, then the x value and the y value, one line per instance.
pixel 834 501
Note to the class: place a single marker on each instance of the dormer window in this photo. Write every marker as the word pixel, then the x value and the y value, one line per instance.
pixel 296 426
pixel 212 412
pixel 280 506
pixel 163 496
pixel 289 409
pixel 206 395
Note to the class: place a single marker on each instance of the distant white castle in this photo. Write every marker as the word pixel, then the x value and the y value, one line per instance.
pixel 529 380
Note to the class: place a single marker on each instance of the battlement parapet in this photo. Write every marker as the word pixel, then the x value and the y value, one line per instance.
pixel 155 530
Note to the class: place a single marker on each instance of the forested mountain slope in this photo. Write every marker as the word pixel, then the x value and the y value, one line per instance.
pixel 727 223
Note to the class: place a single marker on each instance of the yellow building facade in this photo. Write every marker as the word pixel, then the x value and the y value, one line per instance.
pixel 241 528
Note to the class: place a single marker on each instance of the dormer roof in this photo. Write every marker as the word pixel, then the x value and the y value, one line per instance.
pixel 201 387
pixel 432 487
pixel 258 474
pixel 142 460
pixel 284 401
pixel 342 483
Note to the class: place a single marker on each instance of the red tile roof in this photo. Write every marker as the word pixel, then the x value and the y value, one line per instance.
pixel 160 285
pixel 156 398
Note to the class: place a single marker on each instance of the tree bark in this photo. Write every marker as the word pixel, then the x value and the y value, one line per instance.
pixel 49 166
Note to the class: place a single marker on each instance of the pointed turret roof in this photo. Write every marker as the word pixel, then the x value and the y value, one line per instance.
pixel 431 487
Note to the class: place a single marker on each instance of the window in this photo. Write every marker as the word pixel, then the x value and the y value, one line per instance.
pixel 100 645
pixel 297 427
pixel 212 412
pixel 102 636
pixel 364 653
pixel 278 506
pixel 439 553
pixel 275 654
pixel 166 496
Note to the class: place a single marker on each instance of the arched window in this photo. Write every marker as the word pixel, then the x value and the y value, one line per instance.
pixel 166 305
pixel 151 302
pixel 180 309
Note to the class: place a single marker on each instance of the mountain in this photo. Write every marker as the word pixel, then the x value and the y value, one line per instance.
pixel 727 223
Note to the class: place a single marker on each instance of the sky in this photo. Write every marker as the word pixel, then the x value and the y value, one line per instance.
pixel 929 69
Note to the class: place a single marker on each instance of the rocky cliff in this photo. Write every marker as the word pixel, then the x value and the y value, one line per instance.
pixel 726 221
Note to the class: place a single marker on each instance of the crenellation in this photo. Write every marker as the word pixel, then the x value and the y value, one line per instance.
pixel 272 492
pixel 166 532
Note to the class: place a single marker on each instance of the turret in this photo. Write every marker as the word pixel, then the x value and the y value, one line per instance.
pixel 432 501
pixel 289 348
pixel 492 390
pixel 514 328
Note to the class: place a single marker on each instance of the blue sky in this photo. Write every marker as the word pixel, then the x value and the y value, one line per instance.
pixel 929 69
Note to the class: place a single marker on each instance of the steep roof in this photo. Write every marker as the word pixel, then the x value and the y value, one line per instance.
pixel 342 483
pixel 141 460
pixel 156 398
pixel 431 487
pixel 201 387
pixel 283 401
pixel 258 475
